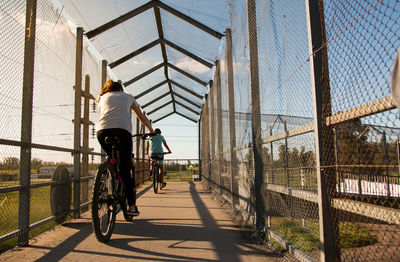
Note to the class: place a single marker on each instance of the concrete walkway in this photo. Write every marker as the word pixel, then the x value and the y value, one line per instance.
pixel 181 223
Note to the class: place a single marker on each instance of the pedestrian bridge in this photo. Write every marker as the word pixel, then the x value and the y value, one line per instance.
pixel 278 113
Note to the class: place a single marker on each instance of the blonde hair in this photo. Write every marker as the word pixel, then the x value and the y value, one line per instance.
pixel 110 86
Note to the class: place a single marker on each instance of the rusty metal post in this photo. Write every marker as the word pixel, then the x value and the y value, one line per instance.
pixel 77 120
pixel 200 147
pixel 232 128
pixel 328 225
pixel 212 136
pixel 85 141
pixel 103 81
pixel 207 142
pixel 272 158
pixel 286 155
pixel 26 123
pixel 386 159
pixel 255 115
pixel 143 149
pixel 219 120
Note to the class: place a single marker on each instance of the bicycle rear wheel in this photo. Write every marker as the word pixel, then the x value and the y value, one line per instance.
pixel 155 173
pixel 124 206
pixel 103 211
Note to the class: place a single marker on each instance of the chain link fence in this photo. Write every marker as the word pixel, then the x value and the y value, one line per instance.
pixel 42 68
pixel 305 126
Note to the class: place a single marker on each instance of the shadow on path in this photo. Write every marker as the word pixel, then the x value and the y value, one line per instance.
pixel 226 242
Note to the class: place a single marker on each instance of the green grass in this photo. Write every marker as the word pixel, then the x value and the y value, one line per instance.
pixel 307 238
pixel 39 209
pixel 352 236
pixel 179 176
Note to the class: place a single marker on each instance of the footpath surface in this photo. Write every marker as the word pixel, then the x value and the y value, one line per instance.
pixel 181 223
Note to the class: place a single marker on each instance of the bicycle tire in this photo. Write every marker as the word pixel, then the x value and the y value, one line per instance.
pixel 155 172
pixel 124 207
pixel 103 211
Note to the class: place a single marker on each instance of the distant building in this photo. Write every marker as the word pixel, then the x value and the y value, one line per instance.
pixel 48 171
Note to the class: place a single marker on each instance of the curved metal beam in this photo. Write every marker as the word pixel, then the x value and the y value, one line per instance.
pixel 151 89
pixel 189 20
pixel 187 74
pixel 121 19
pixel 158 108
pixel 163 50
pixel 135 53
pixel 161 118
pixel 185 89
pixel 187 100
pixel 145 7
pixel 182 115
pixel 156 99
pixel 187 108
pixel 187 53
pixel 151 70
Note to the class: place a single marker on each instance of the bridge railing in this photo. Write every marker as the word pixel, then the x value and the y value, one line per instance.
pixel 300 133
pixel 49 72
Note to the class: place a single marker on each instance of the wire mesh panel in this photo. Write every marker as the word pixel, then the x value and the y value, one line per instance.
pixel 52 133
pixel 358 141
pixel 362 39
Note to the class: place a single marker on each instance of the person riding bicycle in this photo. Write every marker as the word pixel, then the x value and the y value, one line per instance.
pixel 115 121
pixel 156 151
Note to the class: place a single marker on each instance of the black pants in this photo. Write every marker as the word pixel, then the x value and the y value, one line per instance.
pixel 125 157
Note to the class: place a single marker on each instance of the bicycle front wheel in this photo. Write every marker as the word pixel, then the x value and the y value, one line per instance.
pixel 155 173
pixel 103 213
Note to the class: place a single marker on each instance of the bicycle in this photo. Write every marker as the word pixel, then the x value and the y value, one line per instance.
pixel 155 170
pixel 109 196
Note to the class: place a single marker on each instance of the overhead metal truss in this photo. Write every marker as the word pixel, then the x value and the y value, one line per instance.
pixel 162 42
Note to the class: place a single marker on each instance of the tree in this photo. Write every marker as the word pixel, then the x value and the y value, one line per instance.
pixel 11 163
pixel 36 163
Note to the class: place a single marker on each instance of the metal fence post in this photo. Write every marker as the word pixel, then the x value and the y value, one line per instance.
pixel 232 128
pixel 143 149
pixel 77 120
pixel 337 160
pixel 255 114
pixel 323 140
pixel 385 156
pixel 219 117
pixel 85 140
pixel 286 155
pixel 138 140
pixel 212 136
pixel 207 141
pixel 200 147
pixel 272 158
pixel 103 81
pixel 26 123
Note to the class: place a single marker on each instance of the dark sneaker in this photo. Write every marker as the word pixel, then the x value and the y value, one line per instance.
pixel 163 185
pixel 133 212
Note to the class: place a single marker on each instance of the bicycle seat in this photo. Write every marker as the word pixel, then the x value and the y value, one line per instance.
pixel 156 156
pixel 111 140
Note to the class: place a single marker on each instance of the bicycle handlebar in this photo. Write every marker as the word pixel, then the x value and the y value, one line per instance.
pixel 145 135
